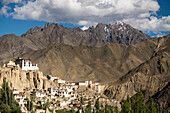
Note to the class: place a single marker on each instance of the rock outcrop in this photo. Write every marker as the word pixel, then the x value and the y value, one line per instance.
pixel 162 97
pixel 150 77
pixel 21 80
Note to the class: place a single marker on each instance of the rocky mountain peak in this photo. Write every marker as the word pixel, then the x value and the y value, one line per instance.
pixel 41 37
pixel 9 35
pixel 101 34
pixel 100 25
pixel 120 23
pixel 46 25
pixel 119 32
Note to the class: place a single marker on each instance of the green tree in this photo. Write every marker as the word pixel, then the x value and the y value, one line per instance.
pixel 152 106
pixel 102 109
pixel 78 111
pixel 15 108
pixel 138 103
pixel 29 105
pixel 97 106
pixel 126 106
pixel 106 108
pixel 8 103
pixel 46 105
pixel 116 110
pixel 164 111
pixel 59 111
pixel 72 110
pixel 82 101
pixel 88 108
pixel 4 108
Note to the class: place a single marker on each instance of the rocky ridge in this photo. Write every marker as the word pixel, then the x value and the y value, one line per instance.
pixel 150 77
pixel 40 38
pixel 101 64
pixel 162 97
pixel 21 80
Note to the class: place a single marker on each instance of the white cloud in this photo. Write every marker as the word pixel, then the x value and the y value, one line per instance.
pixel 11 1
pixel 90 12
pixel 153 23
pixel 160 34
pixel 4 10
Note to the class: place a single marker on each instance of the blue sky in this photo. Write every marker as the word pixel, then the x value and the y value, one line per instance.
pixel 150 16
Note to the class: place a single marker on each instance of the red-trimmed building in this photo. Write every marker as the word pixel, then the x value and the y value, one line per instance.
pixel 26 64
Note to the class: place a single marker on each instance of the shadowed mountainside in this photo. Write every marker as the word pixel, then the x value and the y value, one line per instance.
pixel 151 77
pixel 162 97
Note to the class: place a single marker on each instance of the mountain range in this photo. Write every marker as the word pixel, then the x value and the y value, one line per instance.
pixel 40 38
pixel 119 56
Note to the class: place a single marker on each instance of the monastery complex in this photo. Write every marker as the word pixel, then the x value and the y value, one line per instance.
pixel 28 82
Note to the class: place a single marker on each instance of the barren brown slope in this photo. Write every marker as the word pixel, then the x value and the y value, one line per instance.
pixel 11 46
pixel 43 37
pixel 107 63
pixel 149 77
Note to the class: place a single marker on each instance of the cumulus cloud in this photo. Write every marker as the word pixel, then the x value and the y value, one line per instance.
pixel 90 12
pixel 4 10
pixel 151 23
pixel 10 1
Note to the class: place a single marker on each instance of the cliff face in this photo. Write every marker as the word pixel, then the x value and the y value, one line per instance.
pixel 24 79
pixel 150 77
pixel 162 97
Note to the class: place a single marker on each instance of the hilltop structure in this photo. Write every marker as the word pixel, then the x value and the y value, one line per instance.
pixel 24 64
pixel 27 81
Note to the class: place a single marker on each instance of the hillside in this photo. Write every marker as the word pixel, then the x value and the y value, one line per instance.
pixel 40 38
pixel 12 46
pixel 106 63
pixel 151 77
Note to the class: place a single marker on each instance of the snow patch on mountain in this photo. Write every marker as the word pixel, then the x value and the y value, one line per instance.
pixel 107 31
pixel 119 23
pixel 84 28
pixel 122 28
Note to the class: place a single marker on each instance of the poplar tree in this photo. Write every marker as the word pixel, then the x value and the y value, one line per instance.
pixel 97 105
pixel 8 103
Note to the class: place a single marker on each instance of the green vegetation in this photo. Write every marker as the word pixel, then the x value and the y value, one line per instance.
pixel 7 101
pixel 133 105
pixel 130 105
pixel 88 108
pixel 137 105
pixel 29 105
pixel 43 106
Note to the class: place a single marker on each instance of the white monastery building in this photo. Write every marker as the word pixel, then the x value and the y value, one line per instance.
pixel 11 64
pixel 26 64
